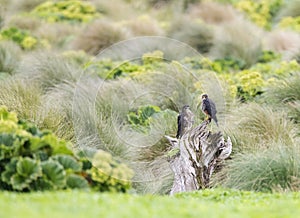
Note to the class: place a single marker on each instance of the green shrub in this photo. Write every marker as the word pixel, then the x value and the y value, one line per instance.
pixel 260 12
pixel 31 159
pixel 69 10
pixel 142 117
pixel 290 23
pixel 110 174
pixel 35 160
pixel 25 40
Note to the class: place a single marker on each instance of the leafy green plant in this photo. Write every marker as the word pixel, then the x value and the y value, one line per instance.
pixel 290 23
pixel 260 12
pixel 31 159
pixel 24 39
pixel 142 117
pixel 69 10
pixel 110 174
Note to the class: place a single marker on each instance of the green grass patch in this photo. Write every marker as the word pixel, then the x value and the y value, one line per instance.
pixel 207 203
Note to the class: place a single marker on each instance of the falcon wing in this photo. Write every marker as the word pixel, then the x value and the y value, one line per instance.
pixel 213 111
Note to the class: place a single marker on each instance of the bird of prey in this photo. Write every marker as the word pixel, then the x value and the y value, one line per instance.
pixel 185 121
pixel 209 109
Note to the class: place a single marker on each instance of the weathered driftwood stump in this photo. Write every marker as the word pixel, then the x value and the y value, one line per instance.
pixel 200 152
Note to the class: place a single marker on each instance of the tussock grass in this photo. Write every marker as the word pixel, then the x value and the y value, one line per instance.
pixel 275 169
pixel 144 26
pixel 59 35
pixel 99 35
pixel 10 55
pixel 21 96
pixel 116 9
pixel 290 9
pixel 238 39
pixel 197 34
pixel 48 69
pixel 27 23
pixel 283 41
pixel 286 95
pixel 213 12
pixel 254 127
pixel 24 5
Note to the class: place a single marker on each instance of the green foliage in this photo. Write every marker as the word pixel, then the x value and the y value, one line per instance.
pixel 260 12
pixel 68 10
pixel 143 115
pixel 31 159
pixel 23 38
pixel 268 56
pixel 109 174
pixel 249 84
pixel 292 23
pixel 76 182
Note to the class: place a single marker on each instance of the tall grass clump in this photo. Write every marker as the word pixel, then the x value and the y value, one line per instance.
pixel 10 56
pixel 195 33
pixel 99 35
pixel 286 95
pixel 283 41
pixel 21 96
pixel 213 12
pixel 24 5
pixel 254 127
pixel 144 26
pixel 239 40
pixel 289 9
pixel 274 169
pixel 48 69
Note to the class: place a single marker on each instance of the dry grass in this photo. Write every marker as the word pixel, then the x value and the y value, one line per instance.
pixel 255 127
pixel 98 35
pixel 48 70
pixel 59 35
pixel 196 34
pixel 283 41
pixel 117 10
pixel 10 55
pixel 238 39
pixel 25 22
pixel 290 9
pixel 24 5
pixel 144 26
pixel 21 96
pixel 213 12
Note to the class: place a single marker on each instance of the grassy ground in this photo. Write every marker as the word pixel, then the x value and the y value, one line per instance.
pixel 209 203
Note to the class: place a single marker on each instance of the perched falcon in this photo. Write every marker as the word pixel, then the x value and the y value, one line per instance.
pixel 209 108
pixel 185 121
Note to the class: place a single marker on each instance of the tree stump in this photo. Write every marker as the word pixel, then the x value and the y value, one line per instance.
pixel 200 152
